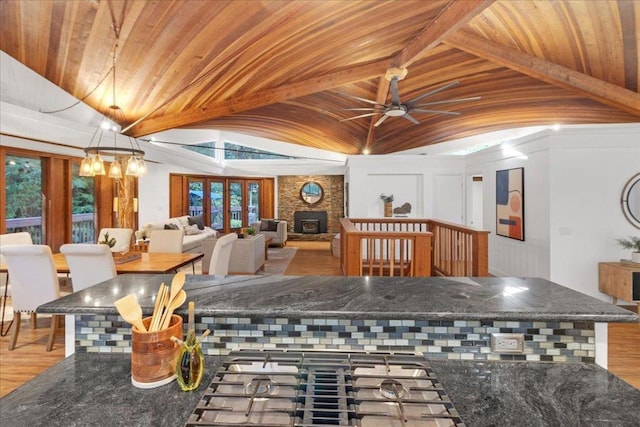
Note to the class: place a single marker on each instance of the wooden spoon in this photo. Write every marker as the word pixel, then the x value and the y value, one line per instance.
pixel 176 285
pixel 175 303
pixel 130 311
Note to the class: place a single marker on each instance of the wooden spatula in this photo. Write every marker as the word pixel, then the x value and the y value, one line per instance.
pixel 130 311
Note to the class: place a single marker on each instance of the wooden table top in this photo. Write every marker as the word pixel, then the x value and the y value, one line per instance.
pixel 147 263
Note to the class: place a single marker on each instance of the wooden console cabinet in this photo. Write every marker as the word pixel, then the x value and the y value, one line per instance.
pixel 620 280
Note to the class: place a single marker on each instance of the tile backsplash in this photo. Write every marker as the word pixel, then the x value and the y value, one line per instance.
pixel 571 342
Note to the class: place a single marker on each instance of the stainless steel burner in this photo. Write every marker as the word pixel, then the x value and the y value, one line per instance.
pixel 259 386
pixel 393 390
pixel 306 388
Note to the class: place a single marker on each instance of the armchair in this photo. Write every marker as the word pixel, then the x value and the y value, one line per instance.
pixel 274 229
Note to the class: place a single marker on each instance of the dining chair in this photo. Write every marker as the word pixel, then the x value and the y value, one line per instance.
pixel 21 238
pixel 221 254
pixel 122 236
pixel 89 264
pixel 167 241
pixel 34 281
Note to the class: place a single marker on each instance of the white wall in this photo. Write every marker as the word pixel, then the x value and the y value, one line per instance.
pixel 409 178
pixel 573 182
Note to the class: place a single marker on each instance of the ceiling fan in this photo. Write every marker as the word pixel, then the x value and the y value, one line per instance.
pixel 400 109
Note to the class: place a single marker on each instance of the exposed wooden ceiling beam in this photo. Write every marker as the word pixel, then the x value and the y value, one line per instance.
pixel 449 20
pixel 261 98
pixel 552 73
pixel 452 17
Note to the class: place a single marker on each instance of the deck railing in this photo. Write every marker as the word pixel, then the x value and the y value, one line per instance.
pixel 82 229
pixel 411 247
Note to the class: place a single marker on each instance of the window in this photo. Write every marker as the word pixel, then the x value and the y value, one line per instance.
pixel 82 207
pixel 24 196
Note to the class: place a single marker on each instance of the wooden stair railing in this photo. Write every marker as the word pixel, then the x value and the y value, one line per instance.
pixel 411 247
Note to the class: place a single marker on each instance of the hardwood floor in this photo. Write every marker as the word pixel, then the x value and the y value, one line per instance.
pixel 312 258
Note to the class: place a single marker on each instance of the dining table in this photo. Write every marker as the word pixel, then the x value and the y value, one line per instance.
pixel 134 263
pixel 154 262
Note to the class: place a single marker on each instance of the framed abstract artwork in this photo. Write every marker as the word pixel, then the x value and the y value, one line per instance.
pixel 510 203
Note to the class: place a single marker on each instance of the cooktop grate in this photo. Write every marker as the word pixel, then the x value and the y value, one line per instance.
pixel 324 388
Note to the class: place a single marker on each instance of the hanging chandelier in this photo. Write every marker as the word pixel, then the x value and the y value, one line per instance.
pixel 92 164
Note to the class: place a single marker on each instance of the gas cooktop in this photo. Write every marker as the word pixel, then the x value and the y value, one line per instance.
pixel 324 388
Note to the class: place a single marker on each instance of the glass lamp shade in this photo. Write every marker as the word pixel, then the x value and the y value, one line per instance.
pixel 132 166
pixel 98 165
pixel 115 171
pixel 86 168
pixel 142 167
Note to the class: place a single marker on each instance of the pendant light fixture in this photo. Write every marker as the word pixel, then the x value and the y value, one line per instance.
pixel 92 164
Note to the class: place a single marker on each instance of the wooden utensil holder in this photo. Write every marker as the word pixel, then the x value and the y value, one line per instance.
pixel 154 355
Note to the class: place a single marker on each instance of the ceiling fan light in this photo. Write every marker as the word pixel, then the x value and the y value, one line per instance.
pixel 97 165
pixel 85 167
pixel 115 170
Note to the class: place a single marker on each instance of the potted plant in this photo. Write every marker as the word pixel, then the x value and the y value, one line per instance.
pixel 111 242
pixel 633 243
pixel 388 207
pixel 250 231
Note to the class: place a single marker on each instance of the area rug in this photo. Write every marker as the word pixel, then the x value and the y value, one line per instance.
pixel 279 259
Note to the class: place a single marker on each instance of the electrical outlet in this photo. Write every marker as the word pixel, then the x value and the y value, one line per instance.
pixel 507 343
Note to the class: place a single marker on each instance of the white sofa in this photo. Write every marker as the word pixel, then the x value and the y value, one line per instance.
pixel 195 240
pixel 247 255
pixel 266 227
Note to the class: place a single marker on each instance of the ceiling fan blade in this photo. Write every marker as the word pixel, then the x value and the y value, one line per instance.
pixel 448 101
pixel 410 118
pixel 419 110
pixel 395 97
pixel 357 109
pixel 433 92
pixel 359 117
pixel 361 99
pixel 380 120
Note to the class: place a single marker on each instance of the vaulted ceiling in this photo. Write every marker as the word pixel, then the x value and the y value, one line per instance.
pixel 289 70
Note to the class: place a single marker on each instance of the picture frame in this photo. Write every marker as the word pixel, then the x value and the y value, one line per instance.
pixel 510 203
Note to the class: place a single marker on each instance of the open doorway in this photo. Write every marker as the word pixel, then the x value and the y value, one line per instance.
pixel 474 217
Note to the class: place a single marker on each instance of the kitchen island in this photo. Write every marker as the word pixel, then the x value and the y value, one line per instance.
pixel 449 320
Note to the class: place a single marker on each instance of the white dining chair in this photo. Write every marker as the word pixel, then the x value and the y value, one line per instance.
pixel 34 281
pixel 166 241
pixel 221 254
pixel 89 264
pixel 122 236
pixel 21 238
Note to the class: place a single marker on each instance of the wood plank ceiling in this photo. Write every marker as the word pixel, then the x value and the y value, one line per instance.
pixel 287 70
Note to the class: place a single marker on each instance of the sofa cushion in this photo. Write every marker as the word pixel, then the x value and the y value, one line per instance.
pixel 193 229
pixel 269 225
pixel 196 220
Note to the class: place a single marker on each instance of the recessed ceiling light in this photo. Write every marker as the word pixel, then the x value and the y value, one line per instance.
pixel 365 151
pixel 556 127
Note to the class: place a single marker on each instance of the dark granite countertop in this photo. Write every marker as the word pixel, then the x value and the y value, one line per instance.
pixel 446 298
pixel 95 390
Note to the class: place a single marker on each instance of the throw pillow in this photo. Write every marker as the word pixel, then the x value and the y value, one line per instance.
pixel 269 225
pixel 170 227
pixel 197 220
pixel 190 230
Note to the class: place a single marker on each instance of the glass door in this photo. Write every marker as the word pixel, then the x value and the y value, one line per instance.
pixel 235 204
pixel 24 197
pixel 216 189
pixel 196 197
pixel 253 202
